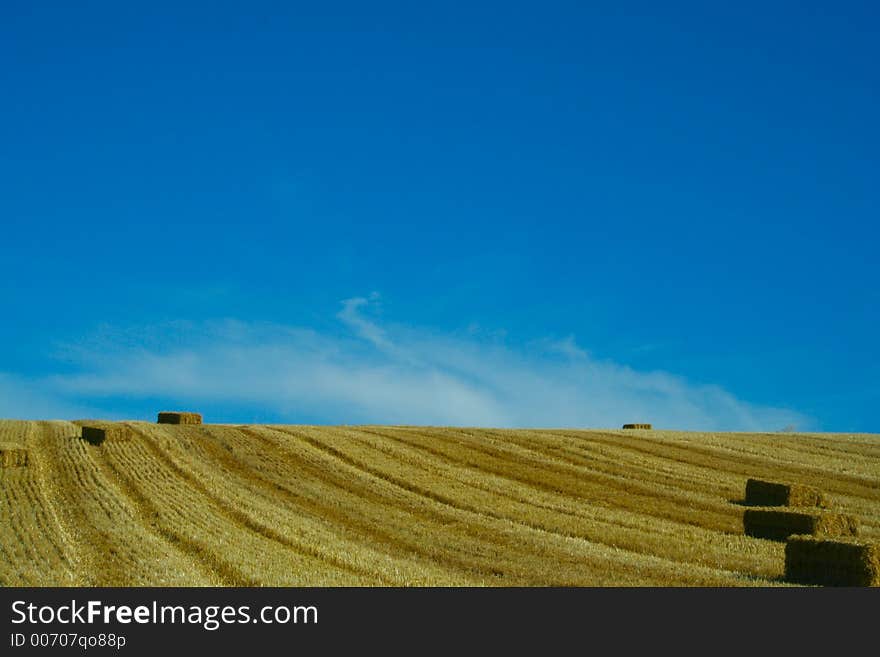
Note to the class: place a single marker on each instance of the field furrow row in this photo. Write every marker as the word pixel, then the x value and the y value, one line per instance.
pixel 281 505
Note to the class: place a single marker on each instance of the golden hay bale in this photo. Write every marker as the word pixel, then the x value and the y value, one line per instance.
pixel 175 417
pixel 97 434
pixel 778 525
pixel 771 493
pixel 837 562
pixel 636 426
pixel 13 456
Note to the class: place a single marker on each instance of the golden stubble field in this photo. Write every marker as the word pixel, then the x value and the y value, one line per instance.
pixel 400 506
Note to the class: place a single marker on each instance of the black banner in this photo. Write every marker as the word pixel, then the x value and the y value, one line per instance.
pixel 135 621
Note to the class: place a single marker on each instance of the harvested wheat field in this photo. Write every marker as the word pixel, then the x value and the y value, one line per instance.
pixel 196 505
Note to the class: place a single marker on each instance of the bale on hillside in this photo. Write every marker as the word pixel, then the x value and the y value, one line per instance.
pixel 771 493
pixel 837 562
pixel 96 435
pixel 13 456
pixel 175 417
pixel 778 525
pixel 636 426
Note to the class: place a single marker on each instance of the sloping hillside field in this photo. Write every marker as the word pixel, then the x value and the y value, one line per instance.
pixel 159 504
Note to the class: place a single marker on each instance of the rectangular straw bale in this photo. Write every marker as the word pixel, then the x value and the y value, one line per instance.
pixel 778 525
pixel 772 493
pixel 636 426
pixel 13 456
pixel 176 417
pixel 832 562
pixel 97 434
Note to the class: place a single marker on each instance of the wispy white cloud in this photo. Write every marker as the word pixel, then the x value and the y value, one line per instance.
pixel 363 327
pixel 27 399
pixel 378 372
pixel 567 347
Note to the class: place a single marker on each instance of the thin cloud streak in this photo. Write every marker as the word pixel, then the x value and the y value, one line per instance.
pixel 386 373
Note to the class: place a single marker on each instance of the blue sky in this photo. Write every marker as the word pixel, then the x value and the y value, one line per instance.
pixel 554 213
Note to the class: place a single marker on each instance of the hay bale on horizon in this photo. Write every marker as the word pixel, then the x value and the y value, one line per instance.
pixel 837 562
pixel 13 456
pixel 773 493
pixel 97 434
pixel 179 417
pixel 636 426
pixel 778 525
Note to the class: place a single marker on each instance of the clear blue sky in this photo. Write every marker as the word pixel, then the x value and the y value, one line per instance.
pixel 686 189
